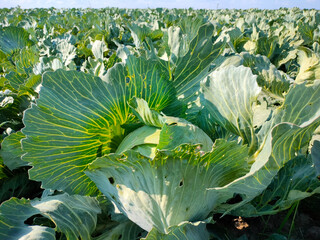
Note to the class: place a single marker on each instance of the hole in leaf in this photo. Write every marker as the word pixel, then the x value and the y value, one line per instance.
pixel 111 180
pixel 128 79
pixel 120 236
pixel 181 183
pixel 277 104
pixel 187 209
pixel 29 221
pixel 236 199
pixel 173 124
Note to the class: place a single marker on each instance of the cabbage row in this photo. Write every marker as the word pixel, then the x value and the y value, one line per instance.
pixel 142 124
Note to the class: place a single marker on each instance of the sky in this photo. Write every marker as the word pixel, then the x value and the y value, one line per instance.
pixel 196 4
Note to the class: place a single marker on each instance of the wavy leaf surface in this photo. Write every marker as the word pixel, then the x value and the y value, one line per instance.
pixel 78 118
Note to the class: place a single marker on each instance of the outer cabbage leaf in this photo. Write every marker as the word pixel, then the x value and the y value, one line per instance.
pixel 290 129
pixel 177 39
pixel 269 77
pixel 190 25
pixel 18 185
pixel 13 38
pixel 75 216
pixel 12 106
pixel 138 33
pixel 26 59
pixel 295 181
pixel 11 151
pixel 194 66
pixel 188 64
pixel 15 80
pixel 307 29
pixel 78 117
pixel 13 213
pixel 309 63
pixel 184 231
pixel 235 38
pixel 230 94
pixel 176 44
pixel 160 193
pixel 315 154
pixel 98 49
pixel 124 231
pixel 268 46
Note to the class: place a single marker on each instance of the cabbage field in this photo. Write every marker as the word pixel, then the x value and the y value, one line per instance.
pixel 154 124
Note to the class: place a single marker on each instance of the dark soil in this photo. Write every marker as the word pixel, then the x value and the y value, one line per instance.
pixel 303 224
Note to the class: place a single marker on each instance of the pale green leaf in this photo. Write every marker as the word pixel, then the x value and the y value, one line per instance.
pixel 230 94
pixel 143 135
pixel 184 231
pixel 146 115
pixel 174 131
pixel 160 193
pixel 179 131
pixel 309 65
pixel 98 49
pixel 123 231
pixel 66 52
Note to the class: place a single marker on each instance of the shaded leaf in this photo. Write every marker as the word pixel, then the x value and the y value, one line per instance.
pixel 295 181
pixel 11 151
pixel 315 154
pixel 75 216
pixel 13 213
